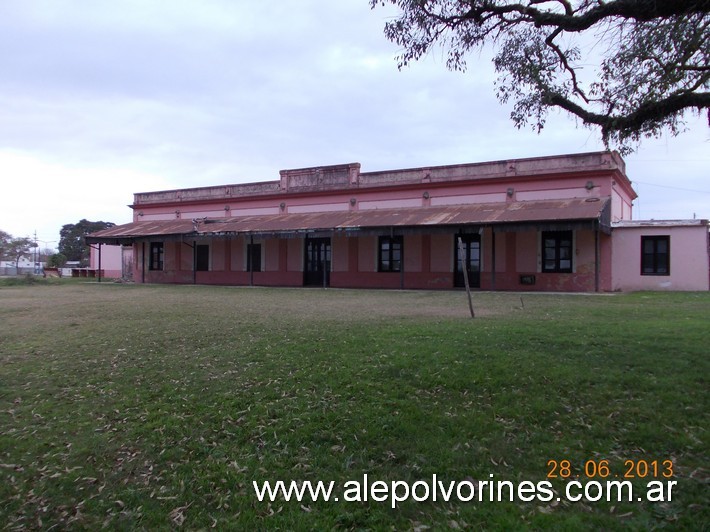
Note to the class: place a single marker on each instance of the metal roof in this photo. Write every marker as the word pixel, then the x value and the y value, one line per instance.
pixel 521 213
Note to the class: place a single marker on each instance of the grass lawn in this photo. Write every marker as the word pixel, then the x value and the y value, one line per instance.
pixel 131 406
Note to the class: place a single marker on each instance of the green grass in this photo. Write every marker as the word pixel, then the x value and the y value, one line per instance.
pixel 131 406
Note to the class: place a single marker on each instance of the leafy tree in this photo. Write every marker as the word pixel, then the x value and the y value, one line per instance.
pixel 652 57
pixel 56 261
pixel 18 248
pixel 71 239
pixel 4 243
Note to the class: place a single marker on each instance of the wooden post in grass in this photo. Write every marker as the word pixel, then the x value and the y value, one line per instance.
pixel 464 269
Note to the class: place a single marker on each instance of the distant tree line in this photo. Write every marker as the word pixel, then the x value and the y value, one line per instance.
pixel 72 246
pixel 14 248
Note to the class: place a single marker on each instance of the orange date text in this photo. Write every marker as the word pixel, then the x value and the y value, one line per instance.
pixel 602 468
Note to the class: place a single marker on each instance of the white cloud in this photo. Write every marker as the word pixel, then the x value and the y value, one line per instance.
pixel 42 196
pixel 112 98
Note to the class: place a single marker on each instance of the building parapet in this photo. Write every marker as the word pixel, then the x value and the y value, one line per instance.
pixel 349 176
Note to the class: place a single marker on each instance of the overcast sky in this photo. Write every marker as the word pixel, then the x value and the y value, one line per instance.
pixel 102 99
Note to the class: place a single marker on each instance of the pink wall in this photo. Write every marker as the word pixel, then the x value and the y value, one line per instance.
pixel 339 253
pixel 182 253
pixel 519 254
pixel 218 259
pixel 526 256
pixel 111 260
pixel 295 255
pixel 584 252
pixel 442 253
pixel 271 249
pixel 688 258
pixel 501 252
pixel 428 263
pixel 237 252
pixel 367 254
pixel 605 247
pixel 412 253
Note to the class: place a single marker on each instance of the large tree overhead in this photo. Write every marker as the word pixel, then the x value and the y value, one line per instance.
pixel 71 239
pixel 633 68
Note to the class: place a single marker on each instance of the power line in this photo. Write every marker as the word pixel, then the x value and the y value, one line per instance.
pixel 674 188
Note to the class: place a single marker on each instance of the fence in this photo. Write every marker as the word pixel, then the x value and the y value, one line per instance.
pixel 12 271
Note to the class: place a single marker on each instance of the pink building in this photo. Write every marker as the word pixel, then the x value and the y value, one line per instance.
pixel 660 255
pixel 113 262
pixel 548 223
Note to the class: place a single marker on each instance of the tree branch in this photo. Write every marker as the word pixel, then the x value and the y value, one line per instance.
pixel 655 59
pixel 565 64
pixel 639 10
pixel 634 121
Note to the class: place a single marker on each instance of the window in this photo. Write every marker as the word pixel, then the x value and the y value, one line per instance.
pixel 655 255
pixel 390 255
pixel 202 258
pixel 254 257
pixel 156 256
pixel 557 251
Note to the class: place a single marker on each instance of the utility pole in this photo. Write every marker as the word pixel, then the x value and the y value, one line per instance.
pixel 464 269
pixel 35 256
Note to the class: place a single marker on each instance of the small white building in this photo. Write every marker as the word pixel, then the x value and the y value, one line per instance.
pixel 25 265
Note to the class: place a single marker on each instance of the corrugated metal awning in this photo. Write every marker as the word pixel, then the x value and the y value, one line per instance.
pixel 505 216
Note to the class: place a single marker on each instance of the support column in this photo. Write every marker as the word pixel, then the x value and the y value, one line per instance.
pixel 228 254
pixel 493 258
pixel 597 256
pixel 401 266
pixel 283 256
pixel 353 254
pixel 250 262
pixel 194 262
pixel 426 253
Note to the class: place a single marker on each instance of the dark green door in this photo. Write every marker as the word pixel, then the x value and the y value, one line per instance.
pixel 472 259
pixel 317 267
